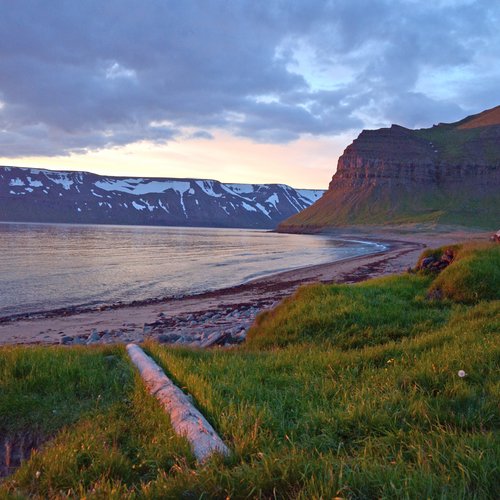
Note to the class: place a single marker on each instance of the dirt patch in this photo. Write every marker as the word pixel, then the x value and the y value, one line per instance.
pixel 16 448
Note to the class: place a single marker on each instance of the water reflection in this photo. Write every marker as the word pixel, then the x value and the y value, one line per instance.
pixel 46 266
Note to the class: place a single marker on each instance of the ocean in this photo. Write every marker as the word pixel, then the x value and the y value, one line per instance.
pixel 51 266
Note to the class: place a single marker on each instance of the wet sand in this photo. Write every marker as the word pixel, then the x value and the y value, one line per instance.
pixel 230 310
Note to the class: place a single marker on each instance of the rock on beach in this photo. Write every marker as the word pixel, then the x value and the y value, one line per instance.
pixel 225 326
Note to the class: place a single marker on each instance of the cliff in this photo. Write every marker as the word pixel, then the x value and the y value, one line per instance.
pixel 34 195
pixel 447 174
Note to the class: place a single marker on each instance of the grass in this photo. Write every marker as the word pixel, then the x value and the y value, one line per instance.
pixel 345 317
pixel 378 206
pixel 342 390
pixel 43 389
pixel 475 276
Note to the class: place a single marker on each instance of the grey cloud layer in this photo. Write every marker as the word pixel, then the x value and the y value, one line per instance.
pixel 86 75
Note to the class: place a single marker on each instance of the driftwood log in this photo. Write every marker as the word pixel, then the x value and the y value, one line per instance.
pixel 186 420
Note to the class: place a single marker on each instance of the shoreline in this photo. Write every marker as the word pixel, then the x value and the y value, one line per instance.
pixel 214 317
pixel 265 276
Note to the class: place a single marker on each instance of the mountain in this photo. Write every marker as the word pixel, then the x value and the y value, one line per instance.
pixel 448 174
pixel 34 195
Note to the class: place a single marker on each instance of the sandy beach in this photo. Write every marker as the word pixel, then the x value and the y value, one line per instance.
pixel 222 316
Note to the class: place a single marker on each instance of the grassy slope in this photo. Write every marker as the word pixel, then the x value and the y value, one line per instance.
pixel 348 390
pixel 483 119
pixel 377 206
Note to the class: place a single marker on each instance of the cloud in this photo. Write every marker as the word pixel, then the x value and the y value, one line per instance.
pixel 201 134
pixel 90 75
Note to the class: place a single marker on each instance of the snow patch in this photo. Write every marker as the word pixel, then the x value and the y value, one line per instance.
pixel 311 195
pixel 35 184
pixel 295 202
pixel 182 204
pixel 263 209
pixel 137 206
pixel 150 207
pixel 59 178
pixel 208 188
pixel 180 186
pixel 163 207
pixel 241 188
pixel 273 199
pixel 16 182
pixel 248 207
pixel 142 186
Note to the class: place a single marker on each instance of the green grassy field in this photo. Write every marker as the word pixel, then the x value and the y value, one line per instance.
pixel 342 390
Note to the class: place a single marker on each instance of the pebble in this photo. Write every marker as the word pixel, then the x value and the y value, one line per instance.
pixel 106 337
pixel 168 338
pixel 93 337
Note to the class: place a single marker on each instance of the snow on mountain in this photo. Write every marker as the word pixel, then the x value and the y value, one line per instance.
pixel 37 195
pixel 311 194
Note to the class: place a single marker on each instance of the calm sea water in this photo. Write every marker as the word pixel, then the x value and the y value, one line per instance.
pixel 48 266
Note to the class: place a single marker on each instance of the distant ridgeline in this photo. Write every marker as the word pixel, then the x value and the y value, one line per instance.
pixel 33 195
pixel 448 174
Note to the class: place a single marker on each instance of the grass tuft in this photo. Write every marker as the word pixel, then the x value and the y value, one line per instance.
pixel 474 276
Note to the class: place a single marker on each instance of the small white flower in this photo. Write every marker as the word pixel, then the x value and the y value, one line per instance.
pixel 37 474
pixel 461 374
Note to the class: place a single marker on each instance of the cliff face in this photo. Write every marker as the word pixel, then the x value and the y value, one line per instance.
pixel 449 173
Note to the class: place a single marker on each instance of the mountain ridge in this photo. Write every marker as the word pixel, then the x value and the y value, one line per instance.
pixel 486 118
pixel 41 195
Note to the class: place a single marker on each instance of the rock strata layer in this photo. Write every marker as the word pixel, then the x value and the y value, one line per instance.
pixel 449 173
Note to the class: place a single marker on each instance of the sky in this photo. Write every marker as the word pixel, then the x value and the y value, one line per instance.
pixel 239 91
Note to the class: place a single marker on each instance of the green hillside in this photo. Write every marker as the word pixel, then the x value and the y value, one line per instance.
pixel 384 207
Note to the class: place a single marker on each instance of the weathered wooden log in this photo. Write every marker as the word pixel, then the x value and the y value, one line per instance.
pixel 186 420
